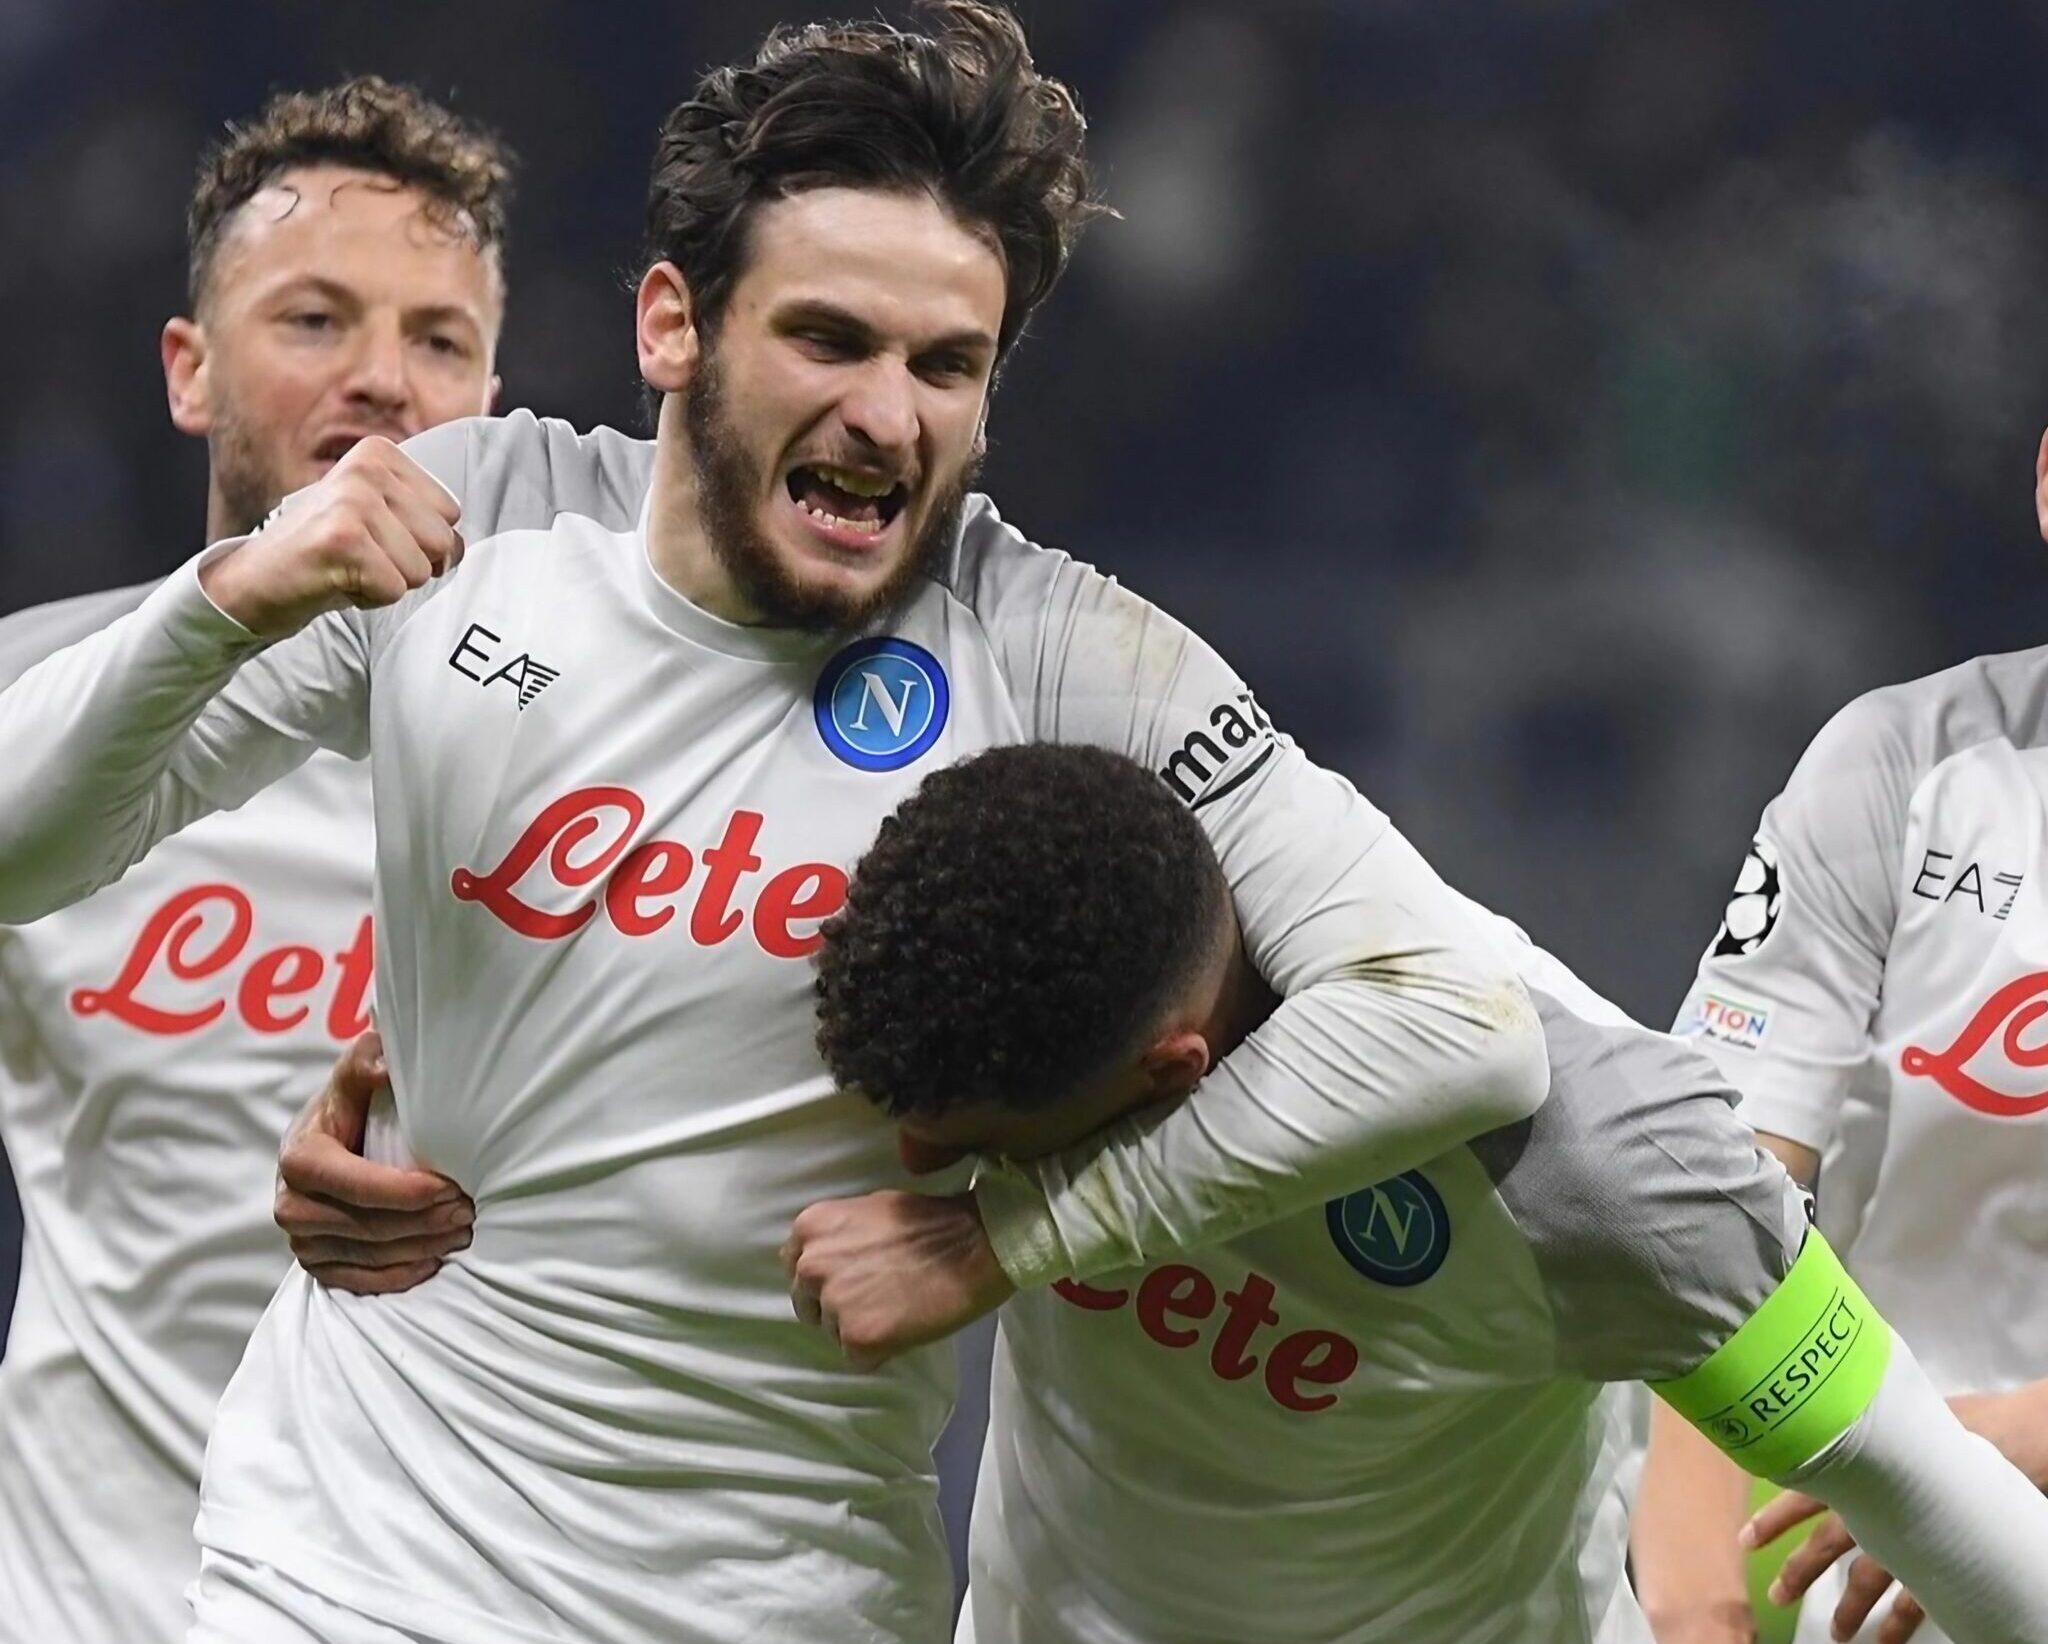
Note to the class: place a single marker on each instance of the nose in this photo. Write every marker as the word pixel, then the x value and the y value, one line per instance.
pixel 377 377
pixel 880 407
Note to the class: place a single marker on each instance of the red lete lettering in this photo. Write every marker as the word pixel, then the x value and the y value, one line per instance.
pixel 1294 1364
pixel 274 993
pixel 2010 1013
pixel 640 886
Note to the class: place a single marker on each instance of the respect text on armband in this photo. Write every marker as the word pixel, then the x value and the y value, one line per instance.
pixel 1222 754
pixel 1796 1376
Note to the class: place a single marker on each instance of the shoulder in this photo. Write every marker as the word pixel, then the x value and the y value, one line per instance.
pixel 993 567
pixel 1921 723
pixel 27 636
pixel 522 472
pixel 1657 1223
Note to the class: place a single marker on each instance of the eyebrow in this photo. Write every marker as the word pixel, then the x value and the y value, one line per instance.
pixel 342 296
pixel 817 311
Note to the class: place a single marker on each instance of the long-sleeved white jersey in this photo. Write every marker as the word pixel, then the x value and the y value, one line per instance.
pixel 608 827
pixel 154 1042
pixel 1386 1420
pixel 1877 990
pixel 1408 1415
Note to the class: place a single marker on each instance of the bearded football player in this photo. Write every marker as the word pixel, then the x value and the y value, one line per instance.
pixel 632 709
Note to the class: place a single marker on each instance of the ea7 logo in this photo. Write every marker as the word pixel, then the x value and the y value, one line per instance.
pixel 527 676
pixel 1211 752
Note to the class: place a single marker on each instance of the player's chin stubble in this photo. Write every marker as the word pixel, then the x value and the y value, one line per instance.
pixel 248 486
pixel 729 480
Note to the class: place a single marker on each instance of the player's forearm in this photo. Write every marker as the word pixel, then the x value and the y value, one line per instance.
pixel 1693 1500
pixel 2016 1421
pixel 1416 1036
pixel 86 737
pixel 1941 1509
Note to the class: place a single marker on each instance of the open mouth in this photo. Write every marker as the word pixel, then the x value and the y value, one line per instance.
pixel 335 447
pixel 845 499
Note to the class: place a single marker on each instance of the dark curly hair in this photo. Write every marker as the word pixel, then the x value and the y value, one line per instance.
pixel 959 113
pixel 1015 931
pixel 367 123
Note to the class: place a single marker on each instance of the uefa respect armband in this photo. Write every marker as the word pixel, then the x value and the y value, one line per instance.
pixel 1796 1376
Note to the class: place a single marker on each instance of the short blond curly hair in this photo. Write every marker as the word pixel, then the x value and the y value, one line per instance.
pixel 370 124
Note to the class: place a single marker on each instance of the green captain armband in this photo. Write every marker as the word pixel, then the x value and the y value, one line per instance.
pixel 1796 1376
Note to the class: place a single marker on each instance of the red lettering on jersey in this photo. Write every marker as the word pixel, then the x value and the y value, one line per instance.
pixel 1185 1291
pixel 170 946
pixel 2009 1013
pixel 1320 1356
pixel 278 974
pixel 1087 1296
pixel 725 864
pixel 169 936
pixel 660 868
pixel 1306 1358
pixel 1251 1307
pixel 559 831
pixel 816 891
pixel 348 1014
pixel 810 892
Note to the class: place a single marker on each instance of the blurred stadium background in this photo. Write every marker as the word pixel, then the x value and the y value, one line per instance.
pixel 1555 408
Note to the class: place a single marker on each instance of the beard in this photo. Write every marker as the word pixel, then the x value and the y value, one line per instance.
pixel 245 479
pixel 730 479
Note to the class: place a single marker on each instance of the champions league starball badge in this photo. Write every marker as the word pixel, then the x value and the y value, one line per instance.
pixel 881 703
pixel 1753 906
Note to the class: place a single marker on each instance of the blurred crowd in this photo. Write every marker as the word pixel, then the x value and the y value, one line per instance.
pixel 1554 407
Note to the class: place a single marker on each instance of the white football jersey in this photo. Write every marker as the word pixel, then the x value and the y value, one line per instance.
pixel 608 829
pixel 1404 1417
pixel 155 1041
pixel 1878 989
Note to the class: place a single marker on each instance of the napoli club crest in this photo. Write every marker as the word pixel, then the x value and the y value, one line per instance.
pixel 1395 1232
pixel 881 704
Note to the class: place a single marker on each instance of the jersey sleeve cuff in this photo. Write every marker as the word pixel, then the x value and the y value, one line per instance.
pixel 194 623
pixel 1020 1226
pixel 1799 1104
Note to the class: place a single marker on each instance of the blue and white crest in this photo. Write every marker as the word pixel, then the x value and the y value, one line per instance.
pixel 881 703
pixel 1396 1232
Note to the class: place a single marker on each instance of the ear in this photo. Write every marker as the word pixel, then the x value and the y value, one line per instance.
pixel 665 327
pixel 187 385
pixel 491 394
pixel 1175 1063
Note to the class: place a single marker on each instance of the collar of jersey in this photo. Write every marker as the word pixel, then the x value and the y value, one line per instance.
pixel 677 613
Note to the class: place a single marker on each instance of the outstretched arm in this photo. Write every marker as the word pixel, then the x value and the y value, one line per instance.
pixel 1815 1393
pixel 1403 1028
pixel 135 732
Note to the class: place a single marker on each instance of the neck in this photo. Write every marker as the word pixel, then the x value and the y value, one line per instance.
pixel 1242 1003
pixel 218 522
pixel 678 547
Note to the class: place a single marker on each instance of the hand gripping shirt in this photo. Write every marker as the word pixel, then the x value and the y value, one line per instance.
pixel 608 828
pixel 1876 991
pixel 155 1041
pixel 1388 1420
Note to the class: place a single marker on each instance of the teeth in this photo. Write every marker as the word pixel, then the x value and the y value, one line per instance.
pixel 860 485
pixel 866 527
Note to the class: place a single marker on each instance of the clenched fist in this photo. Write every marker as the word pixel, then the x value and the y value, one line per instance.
pixel 891 1271
pixel 374 528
